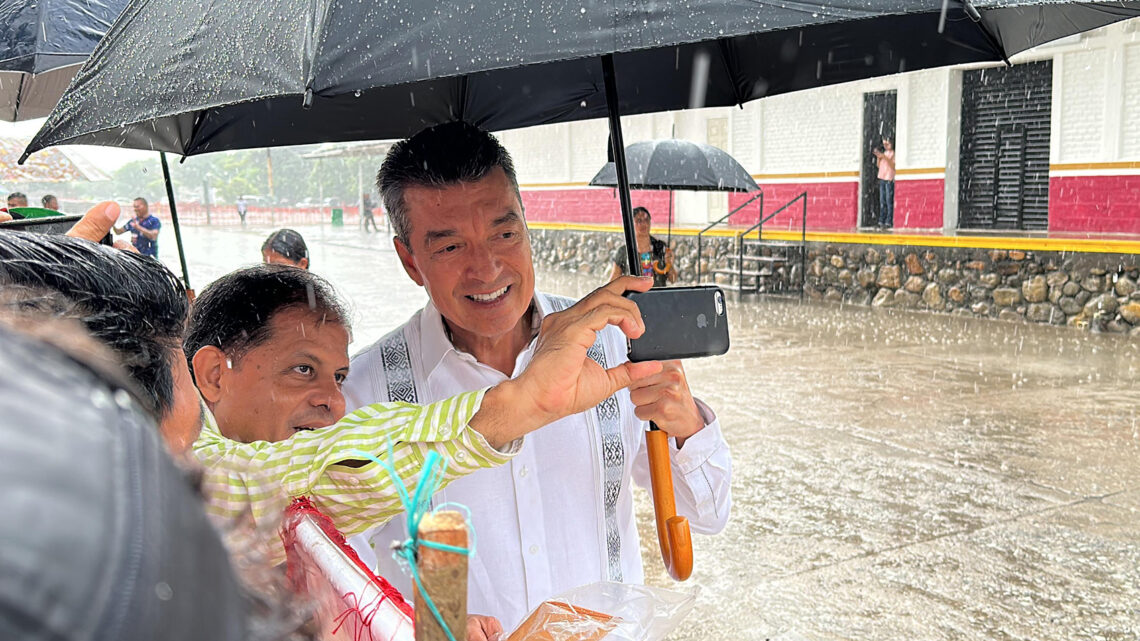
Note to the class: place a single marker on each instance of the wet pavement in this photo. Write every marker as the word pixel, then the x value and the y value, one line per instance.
pixel 897 475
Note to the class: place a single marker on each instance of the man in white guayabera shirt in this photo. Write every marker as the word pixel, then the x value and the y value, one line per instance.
pixel 560 514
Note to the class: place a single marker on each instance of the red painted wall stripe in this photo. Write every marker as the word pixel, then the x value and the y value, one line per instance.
pixel 919 203
pixel 1106 204
pixel 830 206
pixel 590 205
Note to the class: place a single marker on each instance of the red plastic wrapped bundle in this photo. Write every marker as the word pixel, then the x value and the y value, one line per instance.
pixel 351 603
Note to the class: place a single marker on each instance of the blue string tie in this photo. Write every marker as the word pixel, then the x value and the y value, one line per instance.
pixel 416 508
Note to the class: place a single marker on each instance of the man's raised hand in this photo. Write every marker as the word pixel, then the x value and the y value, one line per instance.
pixel 97 223
pixel 561 379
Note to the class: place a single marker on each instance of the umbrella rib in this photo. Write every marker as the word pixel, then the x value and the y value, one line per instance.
pixel 972 13
pixel 462 97
pixel 723 46
pixel 19 98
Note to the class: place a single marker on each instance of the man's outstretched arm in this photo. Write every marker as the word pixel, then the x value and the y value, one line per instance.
pixel 470 431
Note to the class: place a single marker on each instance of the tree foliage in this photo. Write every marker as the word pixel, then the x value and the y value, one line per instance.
pixel 223 177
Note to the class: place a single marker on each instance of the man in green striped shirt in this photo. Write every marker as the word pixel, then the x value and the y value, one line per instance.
pixel 268 348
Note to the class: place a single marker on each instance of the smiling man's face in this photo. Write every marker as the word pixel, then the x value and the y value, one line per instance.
pixel 290 382
pixel 468 247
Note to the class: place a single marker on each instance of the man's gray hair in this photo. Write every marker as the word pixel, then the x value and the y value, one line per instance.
pixel 439 156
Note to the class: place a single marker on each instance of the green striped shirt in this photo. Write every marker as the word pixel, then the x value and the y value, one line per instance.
pixel 249 485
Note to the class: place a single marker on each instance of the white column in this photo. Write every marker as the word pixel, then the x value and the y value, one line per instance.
pixel 953 145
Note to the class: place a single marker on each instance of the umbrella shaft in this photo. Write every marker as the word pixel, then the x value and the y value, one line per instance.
pixel 619 163
pixel 174 218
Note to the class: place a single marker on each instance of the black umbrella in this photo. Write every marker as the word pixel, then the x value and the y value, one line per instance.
pixel 191 78
pixel 674 164
pixel 678 164
pixel 42 45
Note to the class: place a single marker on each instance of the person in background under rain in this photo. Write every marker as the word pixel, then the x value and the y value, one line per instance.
pixel 366 213
pixel 285 247
pixel 50 202
pixel 144 229
pixel 17 199
pixel 885 159
pixel 656 259
pixel 561 513
pixel 242 208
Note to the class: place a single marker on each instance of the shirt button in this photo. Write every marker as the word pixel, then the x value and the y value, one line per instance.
pixel 445 432
pixel 524 471
pixel 461 455
pixel 534 549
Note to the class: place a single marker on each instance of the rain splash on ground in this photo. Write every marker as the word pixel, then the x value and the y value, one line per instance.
pixel 897 475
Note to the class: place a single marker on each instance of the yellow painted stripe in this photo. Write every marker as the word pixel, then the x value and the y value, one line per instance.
pixel 1087 166
pixel 804 176
pixel 1090 245
pixel 575 185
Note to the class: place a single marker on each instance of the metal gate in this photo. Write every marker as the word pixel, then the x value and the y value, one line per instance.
pixel 1004 159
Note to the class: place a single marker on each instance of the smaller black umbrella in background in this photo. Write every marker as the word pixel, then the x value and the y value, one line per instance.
pixel 672 164
pixel 42 45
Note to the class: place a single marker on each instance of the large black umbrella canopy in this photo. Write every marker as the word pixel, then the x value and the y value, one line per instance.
pixel 42 45
pixel 678 164
pixel 195 77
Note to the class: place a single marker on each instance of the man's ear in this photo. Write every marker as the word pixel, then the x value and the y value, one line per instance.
pixel 303 263
pixel 209 368
pixel 408 261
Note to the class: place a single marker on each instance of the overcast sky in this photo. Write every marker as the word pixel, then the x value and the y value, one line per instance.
pixel 106 158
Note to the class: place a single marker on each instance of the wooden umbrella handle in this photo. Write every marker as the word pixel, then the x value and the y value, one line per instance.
pixel 672 530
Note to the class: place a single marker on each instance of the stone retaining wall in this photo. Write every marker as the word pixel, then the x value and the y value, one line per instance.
pixel 1094 291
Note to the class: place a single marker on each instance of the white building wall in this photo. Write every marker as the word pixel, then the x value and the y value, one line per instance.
pixel 1082 106
pixel 1130 114
pixel 817 130
pixel 925 144
pixel 798 136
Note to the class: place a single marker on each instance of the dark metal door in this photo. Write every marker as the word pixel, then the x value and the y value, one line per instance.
pixel 878 122
pixel 1004 159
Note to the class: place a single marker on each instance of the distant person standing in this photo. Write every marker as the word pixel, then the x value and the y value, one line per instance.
pixel 654 257
pixel 886 162
pixel 285 247
pixel 242 208
pixel 366 214
pixel 50 202
pixel 144 229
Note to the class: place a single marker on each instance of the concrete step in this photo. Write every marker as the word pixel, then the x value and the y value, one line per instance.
pixel 760 259
pixel 763 273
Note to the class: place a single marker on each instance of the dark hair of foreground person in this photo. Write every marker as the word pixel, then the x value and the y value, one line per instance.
pixel 233 313
pixel 129 302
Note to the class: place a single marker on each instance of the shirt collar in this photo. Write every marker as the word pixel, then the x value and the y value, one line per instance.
pixel 435 344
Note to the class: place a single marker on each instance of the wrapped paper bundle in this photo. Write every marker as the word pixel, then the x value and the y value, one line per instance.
pixel 607 610
pixel 350 602
pixel 557 621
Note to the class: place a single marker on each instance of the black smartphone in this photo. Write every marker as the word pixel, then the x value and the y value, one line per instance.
pixel 680 322
pixel 47 225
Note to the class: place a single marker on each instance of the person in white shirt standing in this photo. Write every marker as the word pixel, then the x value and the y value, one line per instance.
pixel 560 514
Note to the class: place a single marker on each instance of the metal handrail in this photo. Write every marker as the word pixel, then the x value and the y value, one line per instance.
pixel 701 233
pixel 760 234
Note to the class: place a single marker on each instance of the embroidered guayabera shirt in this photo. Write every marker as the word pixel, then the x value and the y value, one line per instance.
pixel 560 514
pixel 248 485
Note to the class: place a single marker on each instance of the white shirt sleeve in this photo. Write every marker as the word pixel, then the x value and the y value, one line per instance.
pixel 702 474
